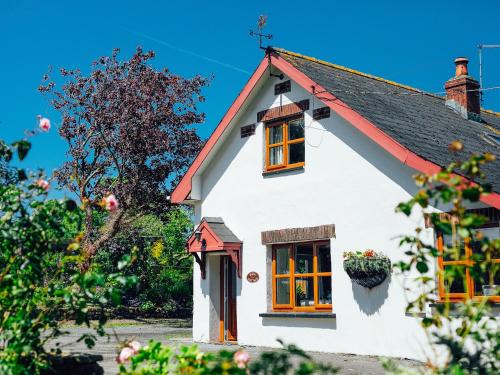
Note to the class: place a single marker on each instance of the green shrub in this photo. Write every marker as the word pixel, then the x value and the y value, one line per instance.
pixel 158 359
pixel 37 280
pixel 147 306
pixel 163 267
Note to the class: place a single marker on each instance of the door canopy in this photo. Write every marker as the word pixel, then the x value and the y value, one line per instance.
pixel 212 235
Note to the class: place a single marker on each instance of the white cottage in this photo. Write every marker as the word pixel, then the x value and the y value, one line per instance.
pixel 308 162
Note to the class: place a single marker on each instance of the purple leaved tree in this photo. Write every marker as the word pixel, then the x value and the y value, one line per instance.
pixel 130 135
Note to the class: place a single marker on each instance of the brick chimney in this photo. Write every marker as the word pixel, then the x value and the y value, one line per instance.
pixel 458 92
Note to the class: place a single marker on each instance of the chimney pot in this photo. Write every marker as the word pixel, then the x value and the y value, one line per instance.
pixel 462 92
pixel 461 66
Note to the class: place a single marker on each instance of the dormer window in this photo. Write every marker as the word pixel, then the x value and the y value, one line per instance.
pixel 285 144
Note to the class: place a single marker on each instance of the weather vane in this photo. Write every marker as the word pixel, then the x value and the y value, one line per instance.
pixel 260 27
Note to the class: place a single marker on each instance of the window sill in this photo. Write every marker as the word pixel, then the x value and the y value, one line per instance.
pixel 283 170
pixel 492 304
pixel 307 315
pixel 415 314
pixel 495 308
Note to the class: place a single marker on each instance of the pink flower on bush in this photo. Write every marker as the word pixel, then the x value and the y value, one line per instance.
pixel 128 351
pixel 135 346
pixel 125 354
pixel 43 184
pixel 241 358
pixel 44 124
pixel 111 203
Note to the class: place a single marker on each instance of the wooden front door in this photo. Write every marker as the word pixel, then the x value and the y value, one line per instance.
pixel 228 326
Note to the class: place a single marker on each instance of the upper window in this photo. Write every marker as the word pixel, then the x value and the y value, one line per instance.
pixel 464 285
pixel 285 144
pixel 302 277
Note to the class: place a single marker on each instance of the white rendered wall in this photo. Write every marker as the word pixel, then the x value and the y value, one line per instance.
pixel 348 181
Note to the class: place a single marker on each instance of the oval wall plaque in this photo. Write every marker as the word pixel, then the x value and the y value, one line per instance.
pixel 252 277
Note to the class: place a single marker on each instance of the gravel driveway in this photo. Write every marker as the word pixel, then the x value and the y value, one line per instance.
pixel 176 332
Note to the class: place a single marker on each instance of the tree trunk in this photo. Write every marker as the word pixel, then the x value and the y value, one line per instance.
pixel 88 250
pixel 91 246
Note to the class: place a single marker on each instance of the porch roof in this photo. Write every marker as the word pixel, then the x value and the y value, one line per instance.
pixel 221 230
pixel 213 235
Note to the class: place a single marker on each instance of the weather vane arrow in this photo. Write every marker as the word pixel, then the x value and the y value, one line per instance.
pixel 261 23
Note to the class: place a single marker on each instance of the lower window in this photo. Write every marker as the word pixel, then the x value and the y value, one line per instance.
pixel 463 285
pixel 302 277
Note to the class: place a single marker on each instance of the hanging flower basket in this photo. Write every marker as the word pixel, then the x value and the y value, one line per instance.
pixel 368 268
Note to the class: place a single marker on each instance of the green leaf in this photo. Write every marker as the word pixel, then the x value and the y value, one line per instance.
pixel 71 205
pixel 124 262
pixel 23 148
pixel 6 153
pixel 463 232
pixel 426 322
pixel 471 194
pixel 422 267
pixel 21 175
pixel 89 341
pixel 404 207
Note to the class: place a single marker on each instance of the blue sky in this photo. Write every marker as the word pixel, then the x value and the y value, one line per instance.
pixel 411 42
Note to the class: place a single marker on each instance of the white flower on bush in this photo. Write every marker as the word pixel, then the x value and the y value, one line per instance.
pixel 41 183
pixel 241 358
pixel 44 123
pixel 110 203
pixel 128 351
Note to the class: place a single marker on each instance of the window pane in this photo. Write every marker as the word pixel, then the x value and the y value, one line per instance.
pixel 324 260
pixel 450 253
pixel 282 260
pixel 484 279
pixel 296 129
pixel 454 279
pixel 276 155
pixel 304 291
pixel 275 134
pixel 304 259
pixel 491 234
pixel 325 290
pixel 283 291
pixel 296 153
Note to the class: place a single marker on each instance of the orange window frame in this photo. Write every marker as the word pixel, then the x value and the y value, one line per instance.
pixel 469 283
pixel 292 275
pixel 285 143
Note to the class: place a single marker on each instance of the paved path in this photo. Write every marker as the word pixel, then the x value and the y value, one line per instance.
pixel 176 332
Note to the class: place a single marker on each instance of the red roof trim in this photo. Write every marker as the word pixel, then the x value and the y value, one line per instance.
pixel 389 144
pixel 181 192
pixel 366 127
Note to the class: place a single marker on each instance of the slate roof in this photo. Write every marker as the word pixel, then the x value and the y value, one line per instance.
pixel 220 229
pixel 419 121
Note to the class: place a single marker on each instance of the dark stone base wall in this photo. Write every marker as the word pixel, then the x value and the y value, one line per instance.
pixel 75 364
